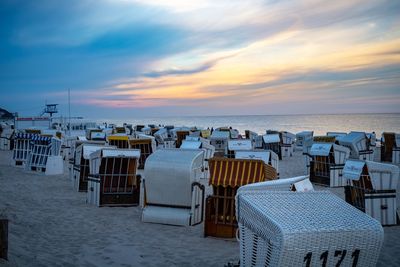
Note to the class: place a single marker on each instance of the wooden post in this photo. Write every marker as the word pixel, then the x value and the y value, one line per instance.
pixel 3 238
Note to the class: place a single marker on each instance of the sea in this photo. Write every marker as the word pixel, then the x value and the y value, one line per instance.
pixel 320 124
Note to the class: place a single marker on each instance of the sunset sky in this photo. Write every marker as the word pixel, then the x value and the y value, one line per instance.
pixel 124 58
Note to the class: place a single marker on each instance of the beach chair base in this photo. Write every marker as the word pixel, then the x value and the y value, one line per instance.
pixel 221 227
pixel 100 199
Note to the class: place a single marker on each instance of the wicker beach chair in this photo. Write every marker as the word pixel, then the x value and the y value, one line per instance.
pixel 81 167
pixel 172 192
pixel 112 180
pixel 226 176
pixel 145 147
pixel 358 144
pixel 315 228
pixel 372 189
pixel 327 164
pixel 120 140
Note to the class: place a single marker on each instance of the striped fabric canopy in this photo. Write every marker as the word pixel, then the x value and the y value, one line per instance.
pixel 118 137
pixel 236 172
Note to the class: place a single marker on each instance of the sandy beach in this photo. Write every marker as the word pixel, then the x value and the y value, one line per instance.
pixel 51 225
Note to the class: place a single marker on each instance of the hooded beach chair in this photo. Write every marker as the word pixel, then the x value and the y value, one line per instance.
pixel 313 228
pixel 42 147
pixel 307 144
pixel 326 166
pixel 145 147
pixel 203 144
pixel 180 136
pixel 390 147
pixel 172 192
pixel 112 180
pixel 219 139
pixel 238 145
pixel 372 189
pixel 287 144
pixel 273 142
pixel 118 140
pixel 358 144
pixel 302 136
pixel 81 167
pixel 226 176
pixel 22 147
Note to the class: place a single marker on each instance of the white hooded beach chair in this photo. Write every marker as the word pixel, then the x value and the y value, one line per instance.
pixel 287 144
pixel 42 148
pixel 273 142
pixel 22 147
pixel 326 166
pixel 112 180
pixel 219 139
pixel 81 164
pixel 302 136
pixel 238 145
pixel 314 228
pixel 172 192
pixel 358 144
pixel 160 136
pixel 372 189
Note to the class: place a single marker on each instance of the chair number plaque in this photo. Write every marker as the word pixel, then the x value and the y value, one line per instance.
pixel 339 254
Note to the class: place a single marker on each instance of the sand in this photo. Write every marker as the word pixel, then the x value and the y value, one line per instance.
pixel 51 225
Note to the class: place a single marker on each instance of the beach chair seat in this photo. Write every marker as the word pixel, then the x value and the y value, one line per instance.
pixel 145 147
pixel 226 176
pixel 172 192
pixel 326 165
pixel 112 180
pixel 372 189
pixel 315 228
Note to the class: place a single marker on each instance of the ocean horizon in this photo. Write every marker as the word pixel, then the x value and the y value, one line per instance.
pixel 319 123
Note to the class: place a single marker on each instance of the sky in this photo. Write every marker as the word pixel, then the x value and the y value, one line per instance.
pixel 153 58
